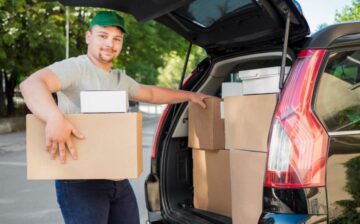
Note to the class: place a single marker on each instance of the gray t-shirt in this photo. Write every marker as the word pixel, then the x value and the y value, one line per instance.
pixel 80 74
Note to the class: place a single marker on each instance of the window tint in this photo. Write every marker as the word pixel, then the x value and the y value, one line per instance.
pixel 206 12
pixel 337 101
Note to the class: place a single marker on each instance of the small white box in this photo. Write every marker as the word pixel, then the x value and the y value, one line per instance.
pixel 263 80
pixel 231 89
pixel 261 72
pixel 103 101
pixel 261 85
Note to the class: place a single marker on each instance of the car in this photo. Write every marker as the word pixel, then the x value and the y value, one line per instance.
pixel 308 171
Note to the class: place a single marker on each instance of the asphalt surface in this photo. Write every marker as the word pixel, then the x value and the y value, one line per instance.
pixel 34 202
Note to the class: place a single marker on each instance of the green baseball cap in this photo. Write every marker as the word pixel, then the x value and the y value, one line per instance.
pixel 108 18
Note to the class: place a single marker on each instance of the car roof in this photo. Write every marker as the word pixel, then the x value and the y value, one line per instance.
pixel 335 35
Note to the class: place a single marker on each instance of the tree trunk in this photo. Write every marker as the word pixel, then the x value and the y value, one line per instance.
pixel 2 95
pixel 10 83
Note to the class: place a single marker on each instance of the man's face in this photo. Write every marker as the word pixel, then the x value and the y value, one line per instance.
pixel 104 43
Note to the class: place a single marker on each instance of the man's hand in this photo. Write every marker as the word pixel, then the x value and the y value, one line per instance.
pixel 58 133
pixel 199 99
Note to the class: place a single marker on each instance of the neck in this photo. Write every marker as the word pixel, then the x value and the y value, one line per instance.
pixel 104 66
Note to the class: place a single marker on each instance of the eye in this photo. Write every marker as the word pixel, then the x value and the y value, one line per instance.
pixel 118 39
pixel 102 36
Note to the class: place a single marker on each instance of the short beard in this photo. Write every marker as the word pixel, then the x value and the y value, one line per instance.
pixel 106 60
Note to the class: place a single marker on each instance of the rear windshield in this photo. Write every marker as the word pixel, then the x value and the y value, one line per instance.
pixel 204 13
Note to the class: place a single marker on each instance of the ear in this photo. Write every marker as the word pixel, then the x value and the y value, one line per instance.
pixel 88 36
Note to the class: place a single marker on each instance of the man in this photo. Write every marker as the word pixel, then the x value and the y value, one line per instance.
pixel 91 201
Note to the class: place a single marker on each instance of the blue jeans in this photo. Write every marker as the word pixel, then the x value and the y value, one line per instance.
pixel 97 202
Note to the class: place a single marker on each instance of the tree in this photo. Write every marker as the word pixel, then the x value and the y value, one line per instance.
pixel 30 38
pixel 145 49
pixel 321 26
pixel 349 13
pixel 170 73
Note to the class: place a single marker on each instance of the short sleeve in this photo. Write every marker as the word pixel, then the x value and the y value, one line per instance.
pixel 68 71
pixel 132 85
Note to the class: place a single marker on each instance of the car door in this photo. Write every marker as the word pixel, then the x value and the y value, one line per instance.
pixel 337 105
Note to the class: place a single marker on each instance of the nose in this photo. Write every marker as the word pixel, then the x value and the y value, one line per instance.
pixel 109 42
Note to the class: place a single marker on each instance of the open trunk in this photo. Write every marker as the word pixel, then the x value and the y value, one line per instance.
pixel 174 162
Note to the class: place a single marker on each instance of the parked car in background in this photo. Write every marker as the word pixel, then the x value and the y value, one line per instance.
pixel 309 169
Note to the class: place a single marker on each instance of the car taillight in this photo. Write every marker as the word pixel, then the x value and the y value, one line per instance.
pixel 298 142
pixel 157 133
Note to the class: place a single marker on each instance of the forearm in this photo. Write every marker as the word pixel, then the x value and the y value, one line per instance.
pixel 162 95
pixel 38 99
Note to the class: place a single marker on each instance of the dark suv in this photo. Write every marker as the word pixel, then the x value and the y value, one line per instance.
pixel 309 172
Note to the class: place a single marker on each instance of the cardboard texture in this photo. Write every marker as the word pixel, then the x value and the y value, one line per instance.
pixel 211 179
pixel 247 169
pixel 100 101
pixel 206 128
pixel 248 120
pixel 112 148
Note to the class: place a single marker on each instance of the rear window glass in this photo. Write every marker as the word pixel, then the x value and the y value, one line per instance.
pixel 204 13
pixel 337 101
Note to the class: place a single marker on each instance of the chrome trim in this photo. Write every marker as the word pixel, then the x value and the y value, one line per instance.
pixel 343 133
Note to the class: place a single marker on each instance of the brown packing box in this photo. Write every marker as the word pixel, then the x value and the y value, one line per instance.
pixel 112 148
pixel 211 178
pixel 206 128
pixel 248 120
pixel 247 169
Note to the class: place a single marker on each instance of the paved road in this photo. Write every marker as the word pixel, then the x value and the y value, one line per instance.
pixel 34 202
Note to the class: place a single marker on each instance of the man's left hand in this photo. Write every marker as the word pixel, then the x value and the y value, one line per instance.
pixel 199 98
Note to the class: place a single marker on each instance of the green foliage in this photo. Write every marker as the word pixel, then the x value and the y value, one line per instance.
pixel 146 49
pixel 32 36
pixel 350 214
pixel 170 74
pixel 321 26
pixel 349 13
pixel 29 39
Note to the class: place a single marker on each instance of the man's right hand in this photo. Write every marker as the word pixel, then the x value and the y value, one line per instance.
pixel 58 133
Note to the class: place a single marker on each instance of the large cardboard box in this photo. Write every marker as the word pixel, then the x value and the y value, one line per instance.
pixel 111 148
pixel 206 128
pixel 211 179
pixel 247 170
pixel 248 120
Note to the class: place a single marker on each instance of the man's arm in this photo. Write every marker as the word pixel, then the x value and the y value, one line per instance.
pixel 36 90
pixel 162 95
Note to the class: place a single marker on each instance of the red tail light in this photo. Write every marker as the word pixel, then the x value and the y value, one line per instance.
pixel 298 143
pixel 157 133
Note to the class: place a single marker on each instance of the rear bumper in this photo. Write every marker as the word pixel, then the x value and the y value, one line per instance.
pixel 273 218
